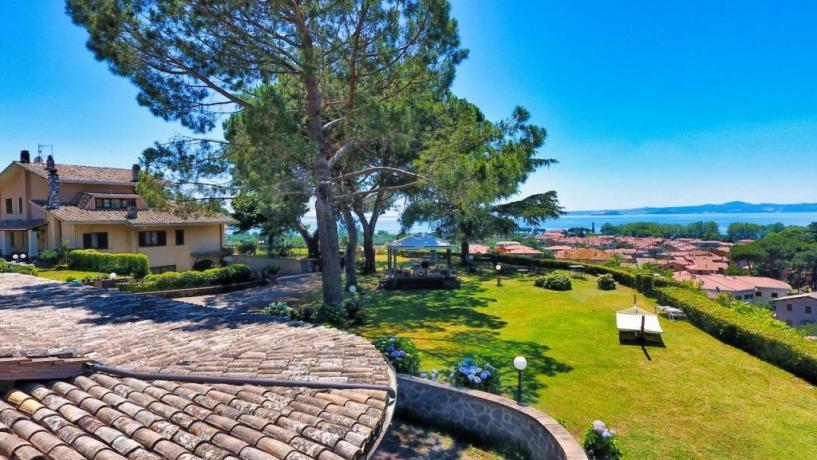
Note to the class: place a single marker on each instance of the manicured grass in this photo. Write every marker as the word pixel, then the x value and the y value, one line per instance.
pixel 695 398
pixel 63 275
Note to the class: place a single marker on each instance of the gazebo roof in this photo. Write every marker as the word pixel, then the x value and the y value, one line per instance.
pixel 420 241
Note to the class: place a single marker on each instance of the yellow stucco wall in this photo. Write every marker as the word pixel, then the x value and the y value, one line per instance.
pixel 14 187
pixel 121 238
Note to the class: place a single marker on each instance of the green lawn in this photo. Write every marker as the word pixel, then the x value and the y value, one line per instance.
pixel 696 398
pixel 63 275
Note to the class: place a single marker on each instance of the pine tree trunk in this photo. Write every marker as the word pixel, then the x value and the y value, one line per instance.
pixel 350 257
pixel 313 246
pixel 464 249
pixel 330 252
pixel 369 255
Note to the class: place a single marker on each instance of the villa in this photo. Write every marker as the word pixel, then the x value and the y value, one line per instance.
pixel 90 207
pixel 759 290
pixel 797 310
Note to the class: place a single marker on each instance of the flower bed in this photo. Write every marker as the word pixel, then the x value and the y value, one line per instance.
pixel 400 352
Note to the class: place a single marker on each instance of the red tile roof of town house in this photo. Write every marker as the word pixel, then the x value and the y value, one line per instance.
pixel 518 249
pixel 477 248
pixel 724 283
pixel 100 415
pixel 144 218
pixel 84 174
pixel 557 248
pixel 583 254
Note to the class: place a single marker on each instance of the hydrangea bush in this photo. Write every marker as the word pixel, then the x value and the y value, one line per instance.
pixel 600 443
pixel 606 282
pixel 476 373
pixel 401 353
pixel 558 280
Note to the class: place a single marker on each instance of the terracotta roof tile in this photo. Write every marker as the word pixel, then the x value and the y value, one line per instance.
pixel 83 174
pixel 105 417
pixel 147 217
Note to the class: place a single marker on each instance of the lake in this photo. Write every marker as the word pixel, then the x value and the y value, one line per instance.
pixel 391 224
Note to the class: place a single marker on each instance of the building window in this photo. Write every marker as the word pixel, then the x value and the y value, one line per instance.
pixel 758 294
pixel 20 204
pixel 774 295
pixel 96 240
pixel 789 307
pixel 162 269
pixel 808 310
pixel 115 203
pixel 153 238
pixel 747 297
pixel 180 237
pixel 9 206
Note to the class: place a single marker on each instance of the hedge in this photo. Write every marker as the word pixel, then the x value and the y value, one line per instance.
pixel 105 262
pixel 6 267
pixel 230 274
pixel 784 348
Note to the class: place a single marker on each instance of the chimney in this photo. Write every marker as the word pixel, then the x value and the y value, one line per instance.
pixel 53 185
pixel 49 164
pixel 25 156
pixel 132 213
pixel 135 173
pixel 38 159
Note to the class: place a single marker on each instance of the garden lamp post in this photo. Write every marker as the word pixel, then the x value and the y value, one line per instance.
pixel 498 275
pixel 520 363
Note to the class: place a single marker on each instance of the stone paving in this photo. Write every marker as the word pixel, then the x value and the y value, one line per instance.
pixel 286 289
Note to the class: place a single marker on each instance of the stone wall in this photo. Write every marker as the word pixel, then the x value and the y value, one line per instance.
pixel 488 417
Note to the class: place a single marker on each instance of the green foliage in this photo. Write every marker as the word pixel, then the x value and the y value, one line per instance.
pixel 747 231
pixel 747 328
pixel 230 274
pixel 470 165
pixel 281 309
pixel 558 280
pixel 400 352
pixel 331 315
pixel 247 246
pixel 601 443
pixel 737 270
pixel 8 267
pixel 791 251
pixel 56 256
pixel 606 282
pixel 105 262
pixel 477 373
pixel 704 230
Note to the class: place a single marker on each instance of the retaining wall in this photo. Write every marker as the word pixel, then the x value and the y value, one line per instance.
pixel 488 417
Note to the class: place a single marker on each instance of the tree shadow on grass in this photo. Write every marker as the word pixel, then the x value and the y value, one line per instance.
pixel 500 353
pixel 431 310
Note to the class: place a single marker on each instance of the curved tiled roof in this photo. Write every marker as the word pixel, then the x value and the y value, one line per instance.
pixel 98 416
pixel 145 217
pixel 83 174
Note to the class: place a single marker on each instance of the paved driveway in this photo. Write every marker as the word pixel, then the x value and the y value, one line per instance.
pixel 287 288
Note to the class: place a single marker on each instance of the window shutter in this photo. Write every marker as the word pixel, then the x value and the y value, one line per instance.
pixel 86 240
pixel 179 237
pixel 142 238
pixel 102 240
pixel 162 238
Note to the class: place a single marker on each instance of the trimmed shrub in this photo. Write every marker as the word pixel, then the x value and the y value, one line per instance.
pixel 558 280
pixel 122 263
pixel 6 267
pixel 600 443
pixel 49 256
pixel 400 352
pixel 606 282
pixel 230 274
pixel 476 373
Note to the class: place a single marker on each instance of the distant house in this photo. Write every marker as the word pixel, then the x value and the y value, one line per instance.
pixel 797 310
pixel 477 248
pixel 90 207
pixel 585 255
pixel 753 289
pixel 514 247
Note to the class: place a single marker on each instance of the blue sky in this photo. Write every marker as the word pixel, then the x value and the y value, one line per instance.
pixel 646 103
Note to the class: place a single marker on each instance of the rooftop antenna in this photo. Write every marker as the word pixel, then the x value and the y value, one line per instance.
pixel 40 148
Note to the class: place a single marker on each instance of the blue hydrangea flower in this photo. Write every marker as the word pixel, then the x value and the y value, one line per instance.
pixel 390 348
pixel 484 375
pixel 477 380
pixel 424 375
